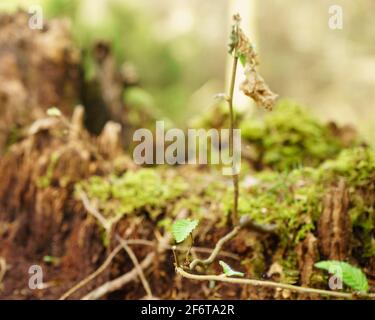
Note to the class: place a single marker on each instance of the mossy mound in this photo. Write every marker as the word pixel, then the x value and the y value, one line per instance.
pixel 286 138
pixel 146 190
pixel 292 199
pixel 289 137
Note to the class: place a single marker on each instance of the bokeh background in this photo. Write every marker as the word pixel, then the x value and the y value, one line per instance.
pixel 178 49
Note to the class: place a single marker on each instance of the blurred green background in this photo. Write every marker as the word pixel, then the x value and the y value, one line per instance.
pixel 179 50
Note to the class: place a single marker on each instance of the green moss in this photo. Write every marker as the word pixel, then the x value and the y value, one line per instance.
pixel 216 116
pixel 145 189
pixel 284 139
pixel 356 165
pixel 289 137
pixel 290 268
pixel 288 200
pixel 255 264
pixel 293 200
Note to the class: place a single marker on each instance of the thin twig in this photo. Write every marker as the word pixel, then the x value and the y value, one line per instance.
pixel 93 275
pixel 134 259
pixel 119 282
pixel 107 226
pixel 94 212
pixel 262 283
pixel 149 243
pixel 216 250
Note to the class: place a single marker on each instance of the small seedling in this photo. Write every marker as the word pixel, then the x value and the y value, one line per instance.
pixel 254 86
pixel 181 229
pixel 228 271
pixel 351 276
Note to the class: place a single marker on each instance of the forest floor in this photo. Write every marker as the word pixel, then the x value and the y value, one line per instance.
pixel 73 202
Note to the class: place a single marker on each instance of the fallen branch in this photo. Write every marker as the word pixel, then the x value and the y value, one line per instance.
pixel 270 284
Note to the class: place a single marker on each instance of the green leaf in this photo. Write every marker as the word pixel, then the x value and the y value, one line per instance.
pixel 182 228
pixel 351 276
pixel 54 112
pixel 228 271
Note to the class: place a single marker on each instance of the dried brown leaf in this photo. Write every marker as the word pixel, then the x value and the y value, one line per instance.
pixel 256 88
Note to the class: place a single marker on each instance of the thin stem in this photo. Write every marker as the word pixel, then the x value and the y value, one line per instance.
pixel 262 283
pixel 216 250
pixel 175 257
pixel 188 251
pixel 231 137
pixel 243 223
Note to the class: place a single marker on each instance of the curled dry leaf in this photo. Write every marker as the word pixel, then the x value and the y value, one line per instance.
pixel 245 49
pixel 254 85
pixel 256 88
pixel 241 45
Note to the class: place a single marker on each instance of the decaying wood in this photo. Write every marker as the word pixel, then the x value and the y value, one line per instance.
pixel 38 69
pixel 334 226
pixel 37 202
pixel 307 252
